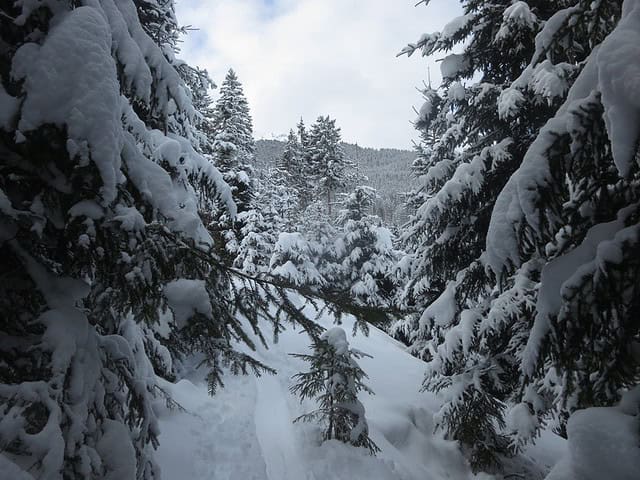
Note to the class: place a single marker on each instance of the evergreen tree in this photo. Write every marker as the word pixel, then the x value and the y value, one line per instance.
pixel 99 217
pixel 291 159
pixel 327 163
pixel 294 261
pixel 518 62
pixel 291 179
pixel 569 211
pixel 335 379
pixel 305 180
pixel 234 146
pixel 101 192
pixel 232 152
pixel 302 135
pixel 365 254
pixel 257 240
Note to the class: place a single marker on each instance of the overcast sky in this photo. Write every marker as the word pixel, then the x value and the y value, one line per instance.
pixel 319 57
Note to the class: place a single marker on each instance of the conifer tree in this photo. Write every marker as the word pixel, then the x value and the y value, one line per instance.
pixel 569 213
pixel 471 330
pixel 290 161
pixel 327 163
pixel 294 261
pixel 302 135
pixel 97 180
pixel 232 152
pixel 364 252
pixel 101 193
pixel 335 379
pixel 234 146
pixel 290 179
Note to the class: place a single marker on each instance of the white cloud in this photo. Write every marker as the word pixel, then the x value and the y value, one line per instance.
pixel 315 57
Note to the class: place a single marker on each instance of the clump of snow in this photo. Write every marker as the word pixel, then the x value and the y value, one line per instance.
pixel 186 298
pixel 453 64
pixel 337 338
pixel 550 80
pixel 442 311
pixel 87 208
pixel 455 25
pixel 462 334
pixel 130 219
pixel 456 91
pixel 509 102
pixel 517 16
pixel 426 110
pixel 603 443
pixel 71 81
pixel 121 457
pixel 521 423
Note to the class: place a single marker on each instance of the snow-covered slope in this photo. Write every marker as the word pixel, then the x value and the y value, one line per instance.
pixel 246 432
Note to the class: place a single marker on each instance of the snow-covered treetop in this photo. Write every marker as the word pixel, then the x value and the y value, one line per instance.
pixel 234 144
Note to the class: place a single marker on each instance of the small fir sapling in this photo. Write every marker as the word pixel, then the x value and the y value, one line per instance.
pixel 334 379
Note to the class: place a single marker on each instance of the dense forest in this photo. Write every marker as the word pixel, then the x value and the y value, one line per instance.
pixel 179 300
pixel 387 170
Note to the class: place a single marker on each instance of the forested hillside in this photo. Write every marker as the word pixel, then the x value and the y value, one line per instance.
pixel 388 170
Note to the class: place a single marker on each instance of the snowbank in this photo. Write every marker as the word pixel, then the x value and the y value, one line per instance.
pixel 246 430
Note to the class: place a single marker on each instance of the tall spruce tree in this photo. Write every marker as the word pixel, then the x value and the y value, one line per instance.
pixel 234 146
pixel 568 220
pixel 233 153
pixel 327 163
pixel 291 179
pixel 517 63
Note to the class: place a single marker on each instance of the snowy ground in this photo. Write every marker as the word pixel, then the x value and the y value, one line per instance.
pixel 246 432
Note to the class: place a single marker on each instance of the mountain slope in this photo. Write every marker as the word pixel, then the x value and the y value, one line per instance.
pixel 246 430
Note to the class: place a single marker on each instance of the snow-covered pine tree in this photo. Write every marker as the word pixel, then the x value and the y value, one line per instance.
pixel 199 84
pixel 294 262
pixel 306 258
pixel 257 238
pixel 233 151
pixel 234 146
pixel 335 379
pixel 291 180
pixel 101 187
pixel 471 332
pixel 365 255
pixel 291 159
pixel 302 134
pixel 304 182
pixel 428 181
pixel 327 163
pixel 571 210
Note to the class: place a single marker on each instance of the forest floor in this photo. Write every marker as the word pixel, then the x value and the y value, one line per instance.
pixel 246 431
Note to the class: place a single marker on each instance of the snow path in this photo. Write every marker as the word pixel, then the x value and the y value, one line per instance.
pixel 272 415
pixel 217 438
